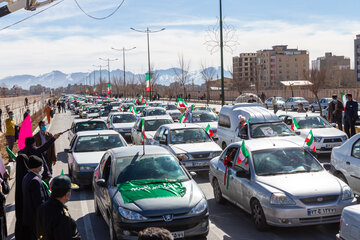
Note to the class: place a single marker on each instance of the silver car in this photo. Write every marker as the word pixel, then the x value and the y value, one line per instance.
pixel 279 102
pixel 279 184
pixel 293 103
pixel 350 224
pixel 173 111
pixel 324 103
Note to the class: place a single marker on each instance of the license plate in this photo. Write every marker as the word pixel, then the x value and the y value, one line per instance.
pixel 197 164
pixel 320 211
pixel 331 145
pixel 177 235
pixel 127 134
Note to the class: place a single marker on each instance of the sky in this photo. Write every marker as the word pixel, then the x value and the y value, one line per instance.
pixel 63 38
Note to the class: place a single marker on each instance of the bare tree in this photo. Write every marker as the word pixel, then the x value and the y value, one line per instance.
pixel 317 79
pixel 208 74
pixel 154 77
pixel 182 73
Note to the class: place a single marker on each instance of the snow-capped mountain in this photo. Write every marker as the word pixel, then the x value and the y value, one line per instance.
pixel 56 78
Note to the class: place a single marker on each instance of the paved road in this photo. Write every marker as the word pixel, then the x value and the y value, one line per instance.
pixel 227 221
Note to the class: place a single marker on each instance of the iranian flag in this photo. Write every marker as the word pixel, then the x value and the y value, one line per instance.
pixel 110 122
pixel 94 88
pixel 248 121
pixel 343 99
pixel 121 108
pixel 132 110
pixel 192 108
pixel 182 103
pixel 148 82
pixel 243 154
pixel 183 118
pixel 310 141
pixel 109 88
pixel 143 136
pixel 209 131
pixel 294 125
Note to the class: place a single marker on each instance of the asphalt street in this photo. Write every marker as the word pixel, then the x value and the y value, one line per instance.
pixel 226 221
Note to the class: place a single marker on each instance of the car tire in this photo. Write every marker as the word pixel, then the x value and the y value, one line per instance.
pixel 292 108
pixel 111 230
pixel 341 176
pixel 223 146
pixel 217 192
pixel 312 109
pixel 96 206
pixel 258 216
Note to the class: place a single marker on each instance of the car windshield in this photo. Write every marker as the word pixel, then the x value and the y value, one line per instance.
pixel 140 108
pixel 93 110
pixel 204 117
pixel 104 113
pixel 270 130
pixel 280 99
pixel 171 107
pixel 312 122
pixel 90 126
pixel 197 135
pixel 299 99
pixel 98 143
pixel 153 125
pixel 114 110
pixel 124 118
pixel 151 167
pixel 284 161
pixel 155 112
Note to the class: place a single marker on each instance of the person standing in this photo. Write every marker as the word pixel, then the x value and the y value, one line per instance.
pixel 63 106
pixel 301 108
pixel 53 220
pixel 335 112
pixel 0 120
pixel 26 102
pixel 48 113
pixel 4 189
pixel 10 131
pixel 26 113
pixel 351 114
pixel 274 104
pixel 58 106
pixel 35 193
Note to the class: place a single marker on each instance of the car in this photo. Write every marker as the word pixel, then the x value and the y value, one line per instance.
pixel 279 100
pixel 104 114
pixel 204 118
pixel 183 211
pixel 203 108
pixel 324 102
pixel 155 104
pixel 349 223
pixel 154 111
pixel 86 150
pixel 326 136
pixel 263 124
pixel 173 111
pixel 91 112
pixel 141 109
pixel 126 106
pixel 189 143
pixel 345 162
pixel 122 122
pixel 279 183
pixel 292 103
pixel 79 125
pixel 151 125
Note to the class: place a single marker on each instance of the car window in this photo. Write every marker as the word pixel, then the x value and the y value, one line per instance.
pixel 93 110
pixel 356 149
pixel 171 107
pixel 228 156
pixel 155 112
pixel 124 118
pixel 153 125
pixel 98 143
pixel 158 133
pixel 224 121
pixel 312 122
pixel 204 117
pixel 188 135
pixel 90 126
pixel 270 130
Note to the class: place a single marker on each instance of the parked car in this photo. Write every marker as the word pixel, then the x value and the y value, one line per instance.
pixel 80 125
pixel 350 223
pixel 151 125
pixel 326 136
pixel 91 112
pixel 292 103
pixel 183 211
pixel 279 184
pixel 154 111
pixel 280 102
pixel 86 150
pixel 104 114
pixel 189 143
pixel 324 102
pixel 204 118
pixel 122 122
pixel 263 124
pixel 173 111
pixel 141 108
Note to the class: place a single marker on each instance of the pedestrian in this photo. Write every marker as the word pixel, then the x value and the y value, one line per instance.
pixel 274 104
pixel 63 106
pixel 54 101
pixel 26 102
pixel 48 113
pixel 58 106
pixel 262 96
pixel 35 192
pixel 10 131
pixel 301 108
pixel 0 120
pixel 41 138
pixel 53 220
pixel 4 189
pixel 27 112
pixel 351 114
pixel 155 233
pixel 335 112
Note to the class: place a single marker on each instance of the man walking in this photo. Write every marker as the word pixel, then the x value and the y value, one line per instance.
pixel 335 111
pixel 53 219
pixel 10 131
pixel 27 113
pixel 26 102
pixel 351 114
pixel 274 104
pixel 63 106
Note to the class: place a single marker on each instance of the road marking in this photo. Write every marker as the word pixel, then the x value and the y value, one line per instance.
pixel 86 216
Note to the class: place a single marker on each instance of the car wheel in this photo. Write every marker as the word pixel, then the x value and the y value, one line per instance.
pixel 97 210
pixel 258 216
pixel 111 229
pixel 223 145
pixel 341 177
pixel 292 108
pixel 217 192
pixel 312 109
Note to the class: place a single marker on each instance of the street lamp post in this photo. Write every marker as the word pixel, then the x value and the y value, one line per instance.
pixel 124 50
pixel 98 66
pixel 148 31
pixel 222 56
pixel 108 65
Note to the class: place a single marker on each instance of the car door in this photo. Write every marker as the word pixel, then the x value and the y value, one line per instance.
pixel 227 173
pixel 104 200
pixel 70 155
pixel 352 167
pixel 134 131
pixel 71 132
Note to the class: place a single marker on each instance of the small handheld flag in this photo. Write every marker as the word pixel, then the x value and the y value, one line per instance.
pixel 343 99
pixel 209 131
pixel 248 121
pixel 11 154
pixel 294 126
pixel 226 177
pixel 310 141
pixel 182 103
pixel 243 154
pixel 143 136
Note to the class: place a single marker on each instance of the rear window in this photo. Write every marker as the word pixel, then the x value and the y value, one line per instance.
pixel 90 126
pixel 153 125
pixel 224 121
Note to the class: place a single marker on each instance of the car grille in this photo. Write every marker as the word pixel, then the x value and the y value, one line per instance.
pixel 200 155
pixel 332 140
pixel 333 218
pixel 323 199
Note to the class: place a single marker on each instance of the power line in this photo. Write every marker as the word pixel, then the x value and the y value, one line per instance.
pixel 100 18
pixel 24 19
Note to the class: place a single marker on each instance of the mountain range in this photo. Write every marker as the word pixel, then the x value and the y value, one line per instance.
pixel 57 79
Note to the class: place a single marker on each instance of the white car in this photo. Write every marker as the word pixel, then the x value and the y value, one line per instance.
pixel 173 111
pixel 91 112
pixel 155 111
pixel 293 103
pixel 350 223
pixel 80 125
pixel 326 136
pixel 345 162
pixel 279 102
pixel 122 122
pixel 151 125
pixel 203 119
pixel 189 143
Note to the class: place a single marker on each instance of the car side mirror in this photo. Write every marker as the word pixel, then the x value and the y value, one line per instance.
pixel 163 141
pixel 243 136
pixel 333 124
pixel 67 150
pixel 243 174
pixel 297 132
pixel 327 166
pixel 101 182
pixel 193 174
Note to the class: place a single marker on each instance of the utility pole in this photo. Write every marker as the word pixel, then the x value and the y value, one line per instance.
pixel 222 56
pixel 148 31
pixel 98 66
pixel 108 65
pixel 124 50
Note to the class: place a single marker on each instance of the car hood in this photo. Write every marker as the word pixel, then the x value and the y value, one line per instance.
pixel 123 125
pixel 195 147
pixel 88 157
pixel 173 111
pixel 322 132
pixel 302 184
pixel 213 125
pixel 152 207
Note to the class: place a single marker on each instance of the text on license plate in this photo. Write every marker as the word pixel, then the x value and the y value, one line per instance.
pixel 320 211
pixel 331 145
pixel 178 235
pixel 196 164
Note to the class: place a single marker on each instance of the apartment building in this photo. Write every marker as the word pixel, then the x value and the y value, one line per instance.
pixel 357 58
pixel 244 70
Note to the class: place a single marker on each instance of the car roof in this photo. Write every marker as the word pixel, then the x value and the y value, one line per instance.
pixel 174 126
pixel 154 108
pixel 96 132
pixel 88 120
pixel 268 143
pixel 139 149
pixel 156 117
pixel 120 113
pixel 202 111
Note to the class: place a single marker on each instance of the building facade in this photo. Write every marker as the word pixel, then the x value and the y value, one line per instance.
pixel 244 71
pixel 357 58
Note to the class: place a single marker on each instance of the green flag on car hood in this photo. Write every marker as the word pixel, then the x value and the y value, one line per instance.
pixel 140 189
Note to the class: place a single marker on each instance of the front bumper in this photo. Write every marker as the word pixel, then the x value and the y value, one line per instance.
pixel 295 216
pixel 197 165
pixel 326 147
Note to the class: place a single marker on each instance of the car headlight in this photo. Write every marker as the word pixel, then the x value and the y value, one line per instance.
pixel 131 215
pixel 281 199
pixel 199 208
pixel 182 157
pixel 84 168
pixel 344 138
pixel 347 193
pixel 317 139
pixel 216 154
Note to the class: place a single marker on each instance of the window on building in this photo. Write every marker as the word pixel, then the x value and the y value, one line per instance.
pixel 287 59
pixel 295 59
pixel 287 65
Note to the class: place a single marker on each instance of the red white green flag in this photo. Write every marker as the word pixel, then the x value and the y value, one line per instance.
pixel 248 121
pixel 343 99
pixel 243 154
pixel 182 103
pixel 143 136
pixel 209 131
pixel 132 110
pixel 121 108
pixel 183 118
pixel 109 88
pixel 310 141
pixel 94 89
pixel 110 122
pixel 294 125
